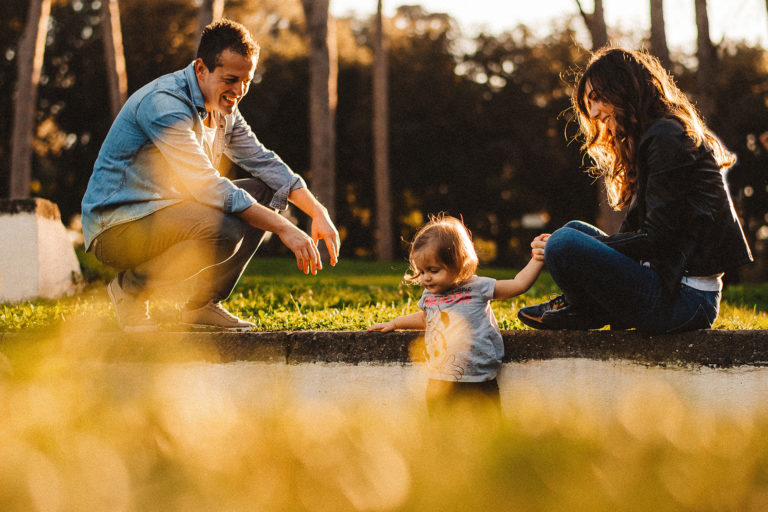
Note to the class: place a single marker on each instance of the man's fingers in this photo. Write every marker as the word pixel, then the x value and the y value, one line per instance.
pixel 307 256
pixel 333 249
pixel 312 261
pixel 332 243
pixel 314 258
pixel 307 253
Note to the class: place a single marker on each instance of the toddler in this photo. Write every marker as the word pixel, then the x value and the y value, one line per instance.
pixel 462 340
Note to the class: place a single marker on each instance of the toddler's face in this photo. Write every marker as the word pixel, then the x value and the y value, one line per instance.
pixel 433 274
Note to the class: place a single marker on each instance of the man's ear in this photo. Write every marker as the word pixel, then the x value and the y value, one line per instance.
pixel 200 67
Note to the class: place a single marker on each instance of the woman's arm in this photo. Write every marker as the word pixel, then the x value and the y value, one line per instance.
pixel 416 321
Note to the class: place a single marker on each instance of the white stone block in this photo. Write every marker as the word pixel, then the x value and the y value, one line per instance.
pixel 36 255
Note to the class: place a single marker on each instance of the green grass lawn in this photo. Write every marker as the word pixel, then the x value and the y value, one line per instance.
pixel 350 296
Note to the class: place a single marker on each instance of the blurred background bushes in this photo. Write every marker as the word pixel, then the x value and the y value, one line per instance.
pixel 479 125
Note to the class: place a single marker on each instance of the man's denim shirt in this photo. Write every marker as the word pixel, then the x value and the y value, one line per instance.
pixel 154 156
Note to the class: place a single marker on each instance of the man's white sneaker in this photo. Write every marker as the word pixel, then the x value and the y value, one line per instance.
pixel 213 316
pixel 132 313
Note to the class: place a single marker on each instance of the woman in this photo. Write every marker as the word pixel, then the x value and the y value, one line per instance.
pixel 663 271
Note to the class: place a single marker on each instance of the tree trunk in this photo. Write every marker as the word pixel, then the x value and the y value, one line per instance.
pixel 608 219
pixel 29 60
pixel 323 77
pixel 705 53
pixel 384 236
pixel 595 23
pixel 599 29
pixel 659 34
pixel 208 12
pixel 114 55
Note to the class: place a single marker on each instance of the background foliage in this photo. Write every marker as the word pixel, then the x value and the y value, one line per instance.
pixel 479 125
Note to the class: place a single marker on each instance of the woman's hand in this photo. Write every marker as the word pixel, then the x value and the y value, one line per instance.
pixel 537 246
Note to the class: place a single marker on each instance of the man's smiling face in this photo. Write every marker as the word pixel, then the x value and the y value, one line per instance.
pixel 225 86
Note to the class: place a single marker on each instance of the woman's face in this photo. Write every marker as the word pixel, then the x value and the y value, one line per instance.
pixel 600 109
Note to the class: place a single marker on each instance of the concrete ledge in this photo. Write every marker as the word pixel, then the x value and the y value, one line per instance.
pixel 36 256
pixel 713 348
pixel 35 205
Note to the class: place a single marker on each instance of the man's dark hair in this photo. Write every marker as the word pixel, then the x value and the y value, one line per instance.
pixel 223 35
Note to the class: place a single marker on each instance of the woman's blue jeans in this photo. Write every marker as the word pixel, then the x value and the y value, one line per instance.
pixel 604 283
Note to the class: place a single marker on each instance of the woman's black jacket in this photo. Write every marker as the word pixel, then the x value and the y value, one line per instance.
pixel 681 219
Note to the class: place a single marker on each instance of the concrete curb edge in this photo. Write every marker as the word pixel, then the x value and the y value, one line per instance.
pixel 712 348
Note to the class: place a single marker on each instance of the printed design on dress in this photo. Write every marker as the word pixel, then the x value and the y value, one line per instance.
pixel 461 295
pixel 445 348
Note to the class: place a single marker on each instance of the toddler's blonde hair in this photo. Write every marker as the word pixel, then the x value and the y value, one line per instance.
pixel 452 243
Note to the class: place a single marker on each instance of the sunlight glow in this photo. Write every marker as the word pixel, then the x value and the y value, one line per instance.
pixel 745 20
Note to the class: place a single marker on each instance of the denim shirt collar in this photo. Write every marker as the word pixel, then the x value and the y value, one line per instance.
pixel 196 95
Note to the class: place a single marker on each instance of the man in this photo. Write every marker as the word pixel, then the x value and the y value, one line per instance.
pixel 156 207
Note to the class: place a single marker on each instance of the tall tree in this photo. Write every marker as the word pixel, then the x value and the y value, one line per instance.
pixel 209 11
pixel 705 53
pixel 30 64
pixel 114 55
pixel 608 219
pixel 659 34
pixel 384 234
pixel 595 22
pixel 323 98
pixel 766 5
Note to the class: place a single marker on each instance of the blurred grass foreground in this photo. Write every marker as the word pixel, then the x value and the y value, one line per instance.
pixel 80 432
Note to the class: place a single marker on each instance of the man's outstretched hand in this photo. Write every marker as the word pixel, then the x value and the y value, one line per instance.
pixel 303 247
pixel 323 228
pixel 322 225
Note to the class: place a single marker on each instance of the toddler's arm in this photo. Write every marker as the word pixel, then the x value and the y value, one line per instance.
pixel 416 320
pixel 507 288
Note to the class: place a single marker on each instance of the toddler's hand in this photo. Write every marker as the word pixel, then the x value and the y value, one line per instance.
pixel 537 246
pixel 383 326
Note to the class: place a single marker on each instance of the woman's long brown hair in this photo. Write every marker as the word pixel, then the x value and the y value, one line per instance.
pixel 641 91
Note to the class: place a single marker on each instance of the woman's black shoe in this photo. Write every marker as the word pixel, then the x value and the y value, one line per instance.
pixel 557 314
